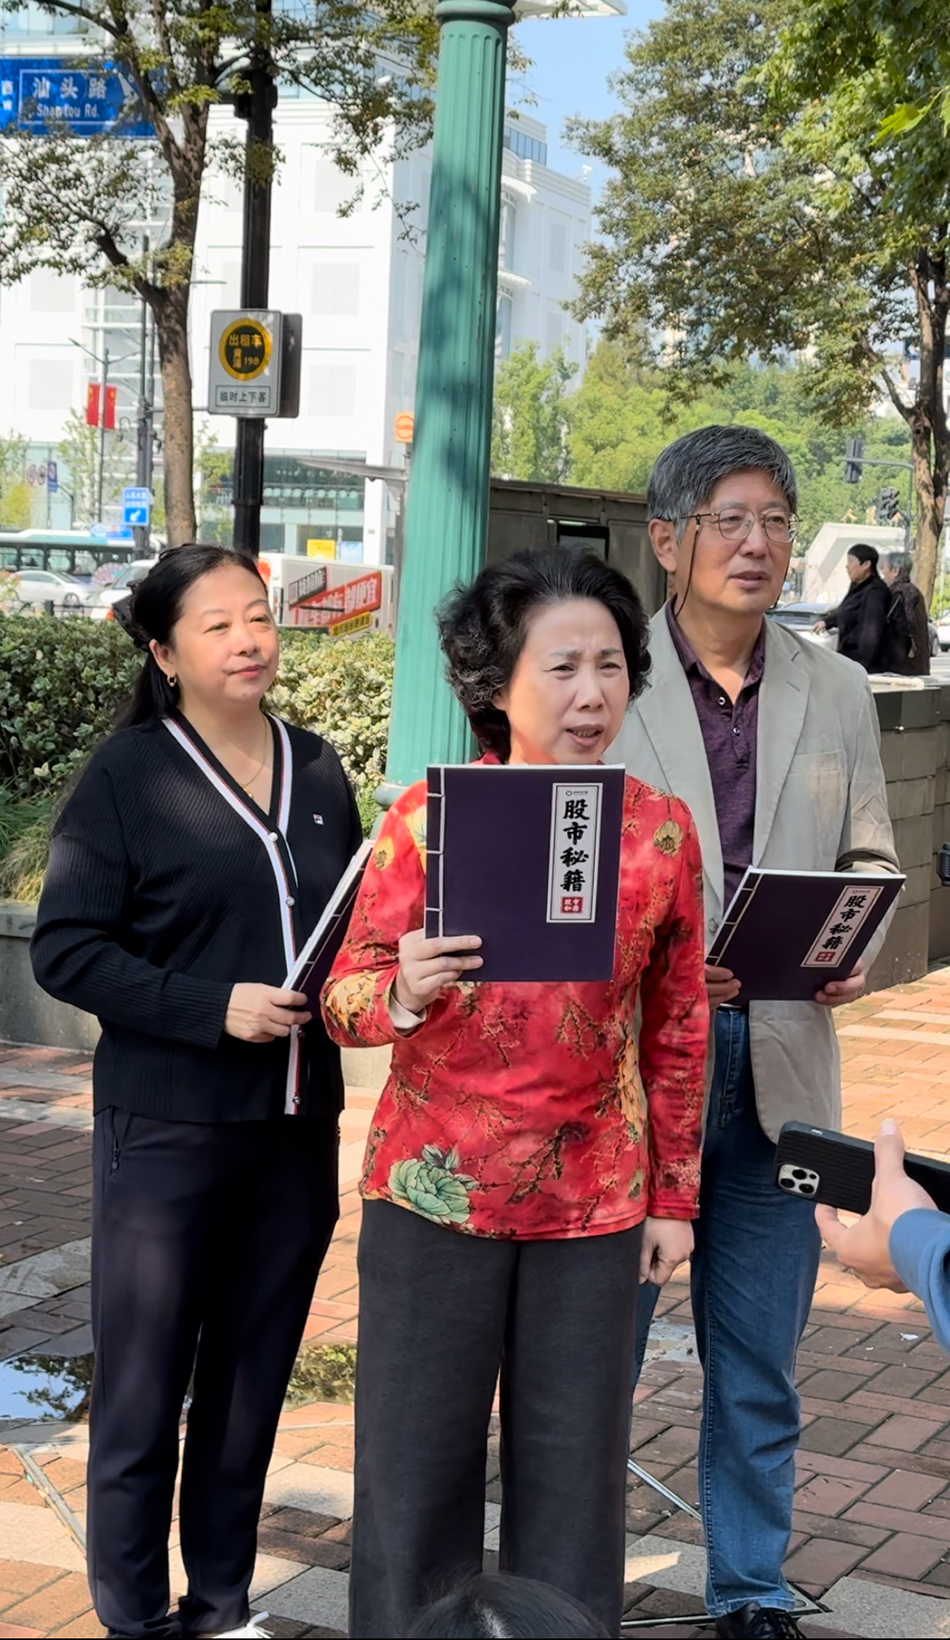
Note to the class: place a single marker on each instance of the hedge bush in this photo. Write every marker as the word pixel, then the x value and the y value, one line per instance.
pixel 344 688
pixel 62 683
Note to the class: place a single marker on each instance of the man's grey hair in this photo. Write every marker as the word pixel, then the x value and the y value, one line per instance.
pixel 686 473
pixel 901 563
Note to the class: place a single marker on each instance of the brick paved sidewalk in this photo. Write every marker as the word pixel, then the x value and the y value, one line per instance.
pixel 872 1531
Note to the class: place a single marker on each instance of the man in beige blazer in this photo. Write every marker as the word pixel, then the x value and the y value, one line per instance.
pixel 773 743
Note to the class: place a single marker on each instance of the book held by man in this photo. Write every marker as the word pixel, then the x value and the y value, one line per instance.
pixel 316 959
pixel 787 933
pixel 528 857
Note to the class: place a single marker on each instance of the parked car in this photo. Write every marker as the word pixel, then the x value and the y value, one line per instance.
pixel 943 629
pixel 101 599
pixel 803 618
pixel 43 586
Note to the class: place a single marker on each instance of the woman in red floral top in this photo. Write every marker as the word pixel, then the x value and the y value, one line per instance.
pixel 535 1151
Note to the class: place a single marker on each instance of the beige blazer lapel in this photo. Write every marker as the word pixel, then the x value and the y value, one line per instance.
pixel 783 701
pixel 669 718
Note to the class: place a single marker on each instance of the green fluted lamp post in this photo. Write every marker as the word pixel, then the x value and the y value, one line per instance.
pixel 447 504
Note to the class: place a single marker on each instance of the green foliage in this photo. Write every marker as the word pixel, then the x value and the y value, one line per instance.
pixel 24 843
pixel 343 688
pixel 76 204
pixel 14 490
pixel 61 684
pixel 756 212
pixel 621 418
pixel 78 450
pixel 326 1372
pixel 530 415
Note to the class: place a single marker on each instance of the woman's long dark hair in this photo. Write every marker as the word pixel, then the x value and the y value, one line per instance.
pixel 483 627
pixel 152 613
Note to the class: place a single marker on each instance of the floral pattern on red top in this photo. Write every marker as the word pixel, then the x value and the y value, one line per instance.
pixel 535 1111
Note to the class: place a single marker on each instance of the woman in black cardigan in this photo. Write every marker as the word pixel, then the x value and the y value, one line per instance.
pixel 188 866
pixel 861 618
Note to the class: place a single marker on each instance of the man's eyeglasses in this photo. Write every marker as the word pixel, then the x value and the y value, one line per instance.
pixel 737 523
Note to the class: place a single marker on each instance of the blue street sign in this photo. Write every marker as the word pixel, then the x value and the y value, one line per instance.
pixel 45 95
pixel 136 506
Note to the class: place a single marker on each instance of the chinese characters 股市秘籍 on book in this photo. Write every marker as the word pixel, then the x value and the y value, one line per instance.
pixel 528 858
pixel 787 933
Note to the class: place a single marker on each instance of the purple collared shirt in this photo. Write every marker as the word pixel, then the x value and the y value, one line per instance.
pixel 729 736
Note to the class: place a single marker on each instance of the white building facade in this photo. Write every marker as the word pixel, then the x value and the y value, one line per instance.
pixel 356 280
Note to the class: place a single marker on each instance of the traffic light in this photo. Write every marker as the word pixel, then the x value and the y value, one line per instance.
pixel 852 461
pixel 888 506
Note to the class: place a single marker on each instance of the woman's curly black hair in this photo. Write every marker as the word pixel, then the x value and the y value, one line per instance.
pixel 483 626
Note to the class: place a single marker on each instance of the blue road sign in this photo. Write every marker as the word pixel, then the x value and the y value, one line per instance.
pixel 46 95
pixel 136 506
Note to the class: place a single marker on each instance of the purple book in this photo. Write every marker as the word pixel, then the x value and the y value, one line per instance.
pixel 310 971
pixel 527 857
pixel 787 933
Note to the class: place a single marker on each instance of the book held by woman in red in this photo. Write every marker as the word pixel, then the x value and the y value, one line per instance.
pixel 528 857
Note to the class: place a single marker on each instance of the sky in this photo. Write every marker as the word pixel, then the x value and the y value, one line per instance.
pixel 572 61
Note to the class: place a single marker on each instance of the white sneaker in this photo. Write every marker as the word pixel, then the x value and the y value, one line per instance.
pixel 252 1630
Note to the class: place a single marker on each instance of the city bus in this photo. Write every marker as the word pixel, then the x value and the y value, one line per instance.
pixel 68 552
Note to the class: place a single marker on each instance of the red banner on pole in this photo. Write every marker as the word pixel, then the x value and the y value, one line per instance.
pixel 92 404
pixel 108 420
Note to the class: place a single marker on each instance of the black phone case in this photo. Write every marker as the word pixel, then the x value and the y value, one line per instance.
pixel 845 1168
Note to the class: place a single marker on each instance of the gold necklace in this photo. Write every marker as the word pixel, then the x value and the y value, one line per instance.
pixel 246 785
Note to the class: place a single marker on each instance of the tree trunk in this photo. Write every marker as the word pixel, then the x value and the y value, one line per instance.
pixel 929 516
pixel 171 323
pixel 930 439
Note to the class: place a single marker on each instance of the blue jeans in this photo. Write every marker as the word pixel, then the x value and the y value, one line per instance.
pixel 753 1276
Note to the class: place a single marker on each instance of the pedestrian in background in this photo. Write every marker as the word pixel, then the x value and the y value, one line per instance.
pixel 191 861
pixel 861 617
pixel 536 1147
pixel 907 619
pixel 773 743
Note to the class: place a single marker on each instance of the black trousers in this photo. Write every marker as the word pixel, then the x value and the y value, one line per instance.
pixel 207 1242
pixel 439 1313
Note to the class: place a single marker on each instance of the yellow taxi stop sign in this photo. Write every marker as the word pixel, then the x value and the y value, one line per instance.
pixel 245 349
pixel 245 362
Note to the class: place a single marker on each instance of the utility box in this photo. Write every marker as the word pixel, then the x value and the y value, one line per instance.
pixel 610 524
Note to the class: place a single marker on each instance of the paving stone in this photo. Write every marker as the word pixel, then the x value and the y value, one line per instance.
pixel 833 1435
pixel 58 1603
pixel 23 1577
pixel 310 1551
pixel 858 1607
pixel 821 1562
pixel 316 1596
pixel 305 1521
pixel 902 1434
pixel 905 1490
pixel 829 1495
pixel 32 1534
pixel 905 1556
pixel 832 1385
pixel 901 1520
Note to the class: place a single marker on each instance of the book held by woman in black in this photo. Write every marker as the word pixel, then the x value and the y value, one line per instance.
pixel 313 965
pixel 787 933
pixel 526 856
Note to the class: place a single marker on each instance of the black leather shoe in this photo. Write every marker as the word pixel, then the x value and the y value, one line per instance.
pixel 755 1622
